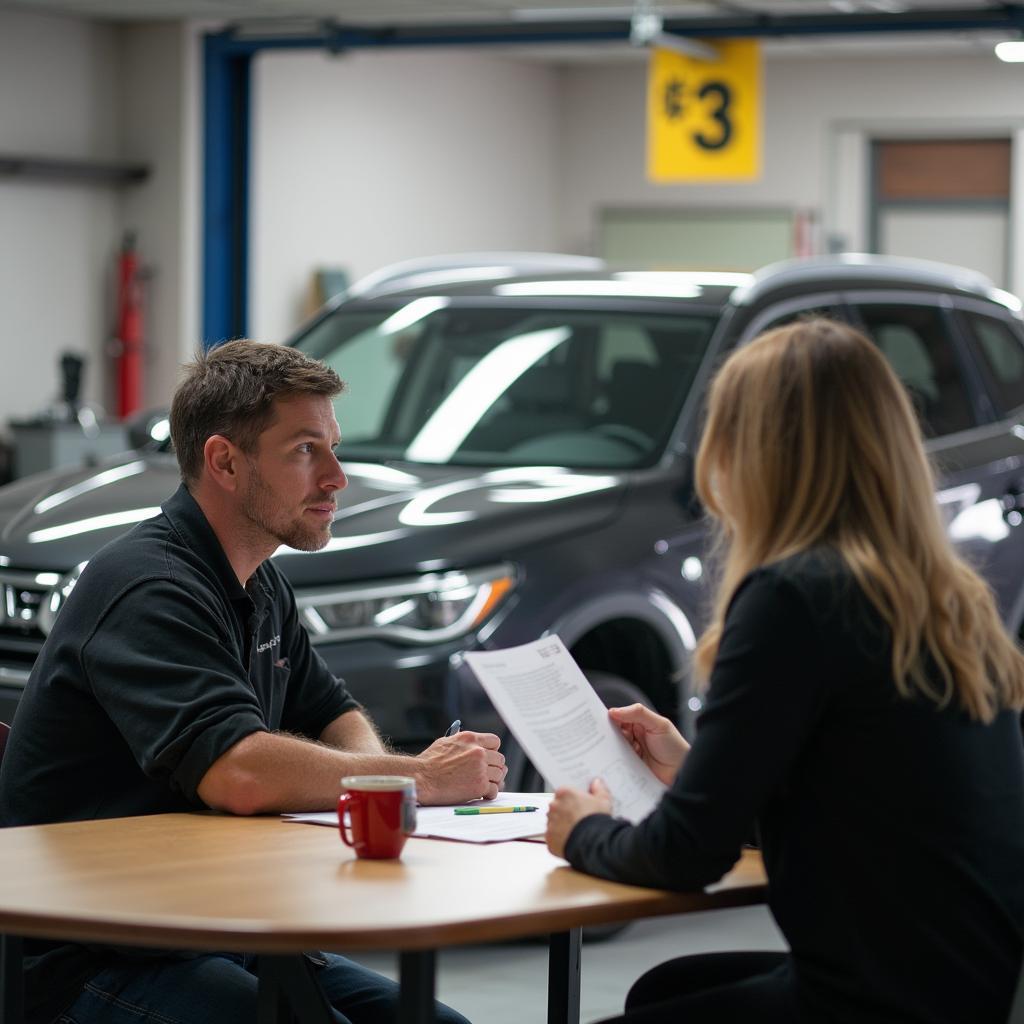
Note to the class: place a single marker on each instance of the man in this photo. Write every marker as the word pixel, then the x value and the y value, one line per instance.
pixel 178 677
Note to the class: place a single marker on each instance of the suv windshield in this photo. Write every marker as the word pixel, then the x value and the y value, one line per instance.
pixel 432 382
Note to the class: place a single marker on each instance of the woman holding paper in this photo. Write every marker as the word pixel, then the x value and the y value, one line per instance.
pixel 862 715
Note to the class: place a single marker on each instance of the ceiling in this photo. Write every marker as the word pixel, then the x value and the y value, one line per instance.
pixel 571 29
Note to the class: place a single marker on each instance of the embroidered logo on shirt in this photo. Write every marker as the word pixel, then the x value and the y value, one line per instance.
pixel 267 645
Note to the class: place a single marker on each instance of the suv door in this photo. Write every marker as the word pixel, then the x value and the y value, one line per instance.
pixel 995 341
pixel 980 464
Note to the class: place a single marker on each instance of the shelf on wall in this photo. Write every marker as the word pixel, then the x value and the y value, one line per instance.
pixel 82 171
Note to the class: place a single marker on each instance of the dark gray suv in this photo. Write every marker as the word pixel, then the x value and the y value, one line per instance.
pixel 519 434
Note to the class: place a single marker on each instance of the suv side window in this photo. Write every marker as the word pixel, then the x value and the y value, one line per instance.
pixel 804 307
pixel 800 313
pixel 1001 354
pixel 916 341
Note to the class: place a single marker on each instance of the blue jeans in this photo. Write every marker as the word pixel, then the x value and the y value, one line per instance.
pixel 220 988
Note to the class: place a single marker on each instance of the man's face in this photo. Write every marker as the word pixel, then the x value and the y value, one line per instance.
pixel 293 476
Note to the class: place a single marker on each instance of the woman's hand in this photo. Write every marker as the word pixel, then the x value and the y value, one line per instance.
pixel 570 806
pixel 658 742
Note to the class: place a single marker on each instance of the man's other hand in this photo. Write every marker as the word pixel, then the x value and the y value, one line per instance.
pixel 454 769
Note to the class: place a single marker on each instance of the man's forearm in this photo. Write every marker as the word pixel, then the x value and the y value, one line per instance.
pixel 271 772
pixel 353 732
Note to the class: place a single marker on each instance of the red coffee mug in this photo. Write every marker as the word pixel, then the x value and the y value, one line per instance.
pixel 381 814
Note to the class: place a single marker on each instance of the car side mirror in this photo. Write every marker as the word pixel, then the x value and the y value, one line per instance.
pixel 148 430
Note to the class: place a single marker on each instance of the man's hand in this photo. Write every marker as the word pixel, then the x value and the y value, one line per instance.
pixel 658 742
pixel 458 768
pixel 571 806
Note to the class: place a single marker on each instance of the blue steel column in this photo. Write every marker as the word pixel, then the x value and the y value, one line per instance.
pixel 225 190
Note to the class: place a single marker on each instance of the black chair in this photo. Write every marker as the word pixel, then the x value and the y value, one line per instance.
pixel 5 731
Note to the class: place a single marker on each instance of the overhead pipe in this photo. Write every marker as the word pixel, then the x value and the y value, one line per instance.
pixel 334 36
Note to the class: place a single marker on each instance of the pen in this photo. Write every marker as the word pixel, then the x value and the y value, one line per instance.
pixel 492 810
pixel 454 727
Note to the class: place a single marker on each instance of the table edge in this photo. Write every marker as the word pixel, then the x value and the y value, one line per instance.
pixel 256 937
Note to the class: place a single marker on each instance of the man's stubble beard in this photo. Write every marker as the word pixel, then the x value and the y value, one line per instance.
pixel 259 507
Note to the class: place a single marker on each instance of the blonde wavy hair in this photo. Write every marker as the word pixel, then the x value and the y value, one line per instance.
pixel 811 439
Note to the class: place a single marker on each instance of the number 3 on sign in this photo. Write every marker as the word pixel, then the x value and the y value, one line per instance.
pixel 704 117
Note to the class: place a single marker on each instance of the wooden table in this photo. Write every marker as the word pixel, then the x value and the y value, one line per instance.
pixel 264 886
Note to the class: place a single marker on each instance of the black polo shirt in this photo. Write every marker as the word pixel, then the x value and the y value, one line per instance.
pixel 159 662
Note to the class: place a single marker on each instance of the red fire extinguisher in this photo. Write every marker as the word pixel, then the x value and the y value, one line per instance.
pixel 128 342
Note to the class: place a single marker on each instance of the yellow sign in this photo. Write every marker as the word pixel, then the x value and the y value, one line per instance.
pixel 704 117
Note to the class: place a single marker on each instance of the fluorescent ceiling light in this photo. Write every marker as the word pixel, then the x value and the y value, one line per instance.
pixel 1011 51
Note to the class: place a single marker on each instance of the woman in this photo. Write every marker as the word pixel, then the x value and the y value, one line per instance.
pixel 862 717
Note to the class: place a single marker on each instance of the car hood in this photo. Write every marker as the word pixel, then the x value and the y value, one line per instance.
pixel 392 519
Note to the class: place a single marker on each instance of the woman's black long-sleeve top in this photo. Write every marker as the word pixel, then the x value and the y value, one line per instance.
pixel 892 831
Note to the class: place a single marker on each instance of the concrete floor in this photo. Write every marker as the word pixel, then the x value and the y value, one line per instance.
pixel 507 984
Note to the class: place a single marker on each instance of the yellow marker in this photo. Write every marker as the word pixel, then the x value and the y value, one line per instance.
pixel 492 810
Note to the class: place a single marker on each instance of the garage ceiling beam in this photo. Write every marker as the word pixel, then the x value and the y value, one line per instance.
pixel 333 35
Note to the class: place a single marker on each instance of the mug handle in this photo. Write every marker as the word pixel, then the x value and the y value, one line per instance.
pixel 343 803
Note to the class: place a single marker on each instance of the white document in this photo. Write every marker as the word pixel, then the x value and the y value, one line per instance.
pixel 560 722
pixel 443 823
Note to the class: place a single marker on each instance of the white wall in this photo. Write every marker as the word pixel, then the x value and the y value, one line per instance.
pixel 75 89
pixel 819 115
pixel 376 156
pixel 58 98
pixel 160 123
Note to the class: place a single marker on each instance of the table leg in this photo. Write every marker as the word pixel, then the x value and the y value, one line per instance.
pixel 12 980
pixel 416 972
pixel 288 991
pixel 564 977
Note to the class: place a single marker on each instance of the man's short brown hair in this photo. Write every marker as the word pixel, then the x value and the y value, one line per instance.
pixel 231 389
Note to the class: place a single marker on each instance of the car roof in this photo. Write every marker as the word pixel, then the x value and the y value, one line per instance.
pixel 551 275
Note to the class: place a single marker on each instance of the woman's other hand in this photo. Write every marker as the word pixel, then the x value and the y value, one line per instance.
pixel 658 742
pixel 570 806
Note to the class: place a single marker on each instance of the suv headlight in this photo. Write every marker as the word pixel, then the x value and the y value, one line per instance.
pixel 424 609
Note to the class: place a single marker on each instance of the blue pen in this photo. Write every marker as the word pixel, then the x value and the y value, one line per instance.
pixel 454 727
